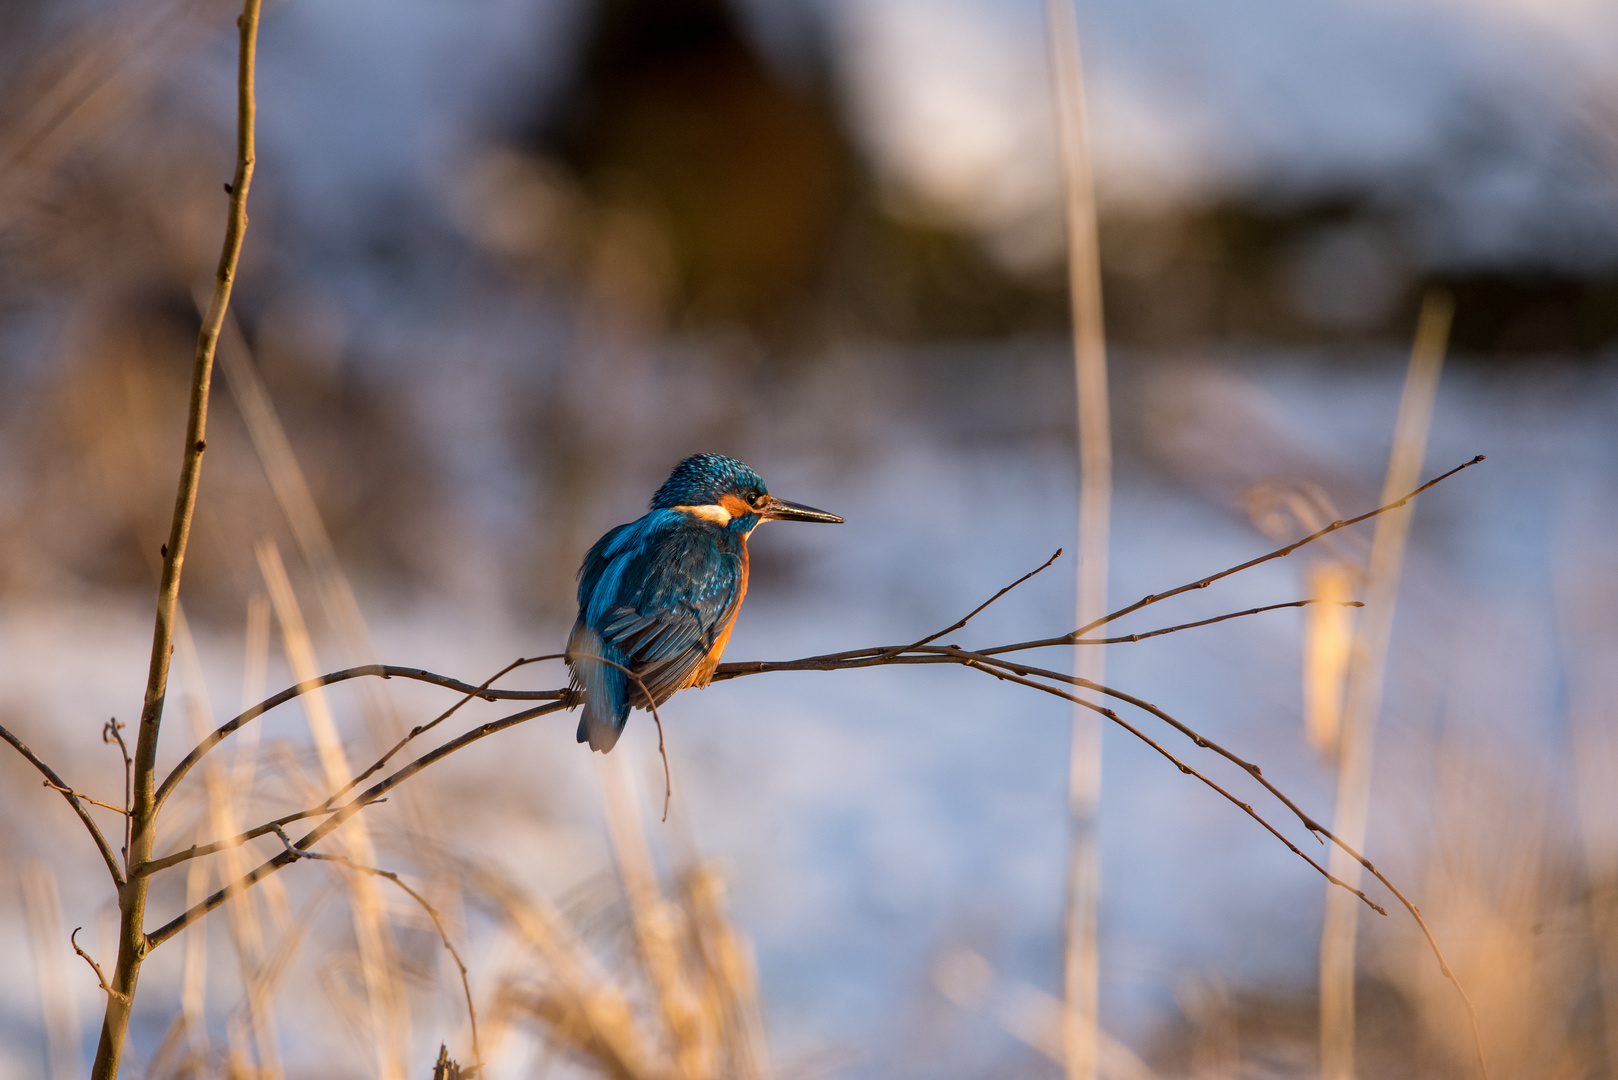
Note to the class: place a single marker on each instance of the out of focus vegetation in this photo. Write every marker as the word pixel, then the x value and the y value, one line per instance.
pixel 675 182
pixel 485 357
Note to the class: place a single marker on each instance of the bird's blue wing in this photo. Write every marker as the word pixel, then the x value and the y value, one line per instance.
pixel 654 596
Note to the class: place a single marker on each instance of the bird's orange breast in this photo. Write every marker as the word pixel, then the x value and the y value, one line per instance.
pixel 704 671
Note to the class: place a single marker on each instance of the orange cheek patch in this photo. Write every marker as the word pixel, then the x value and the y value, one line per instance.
pixel 736 507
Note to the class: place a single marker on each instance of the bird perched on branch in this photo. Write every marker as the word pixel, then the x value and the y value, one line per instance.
pixel 658 597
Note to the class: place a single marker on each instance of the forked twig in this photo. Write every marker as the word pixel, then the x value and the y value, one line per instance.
pixel 73 800
pixel 970 615
pixel 112 732
pixel 1278 553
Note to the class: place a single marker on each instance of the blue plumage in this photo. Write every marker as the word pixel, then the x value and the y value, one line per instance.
pixel 658 597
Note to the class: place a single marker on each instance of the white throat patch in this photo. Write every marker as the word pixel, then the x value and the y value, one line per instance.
pixel 711 512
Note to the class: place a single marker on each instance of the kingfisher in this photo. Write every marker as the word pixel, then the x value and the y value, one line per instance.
pixel 658 597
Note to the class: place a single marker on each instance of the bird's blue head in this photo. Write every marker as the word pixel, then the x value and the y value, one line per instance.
pixel 702 479
pixel 725 491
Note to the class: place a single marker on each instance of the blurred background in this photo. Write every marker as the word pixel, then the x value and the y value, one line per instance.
pixel 510 260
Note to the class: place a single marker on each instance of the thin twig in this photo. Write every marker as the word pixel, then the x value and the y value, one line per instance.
pixel 432 913
pixel 112 732
pixel 668 783
pixel 380 671
pixel 1129 638
pixel 1278 553
pixel 73 800
pixel 86 798
pixel 88 959
pixel 969 616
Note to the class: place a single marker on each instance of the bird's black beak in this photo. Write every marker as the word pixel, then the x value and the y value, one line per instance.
pixel 781 510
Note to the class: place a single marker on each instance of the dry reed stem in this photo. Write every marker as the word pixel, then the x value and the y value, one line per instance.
pixel 1587 632
pixel 252 956
pixel 1367 671
pixel 701 1021
pixel 1037 1019
pixel 732 973
pixel 297 502
pixel 333 589
pixel 194 969
pixel 1081 967
pixel 372 931
pixel 70 90
pixel 42 907
pixel 585 1012
pixel 245 928
pixel 654 924
pixel 1328 638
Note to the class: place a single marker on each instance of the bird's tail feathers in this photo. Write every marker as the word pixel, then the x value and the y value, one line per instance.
pixel 606 700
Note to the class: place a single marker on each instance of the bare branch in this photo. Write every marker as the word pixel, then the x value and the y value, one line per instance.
pixel 151 866
pixel 380 671
pixel 73 800
pixel 132 943
pixel 481 690
pixel 1005 676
